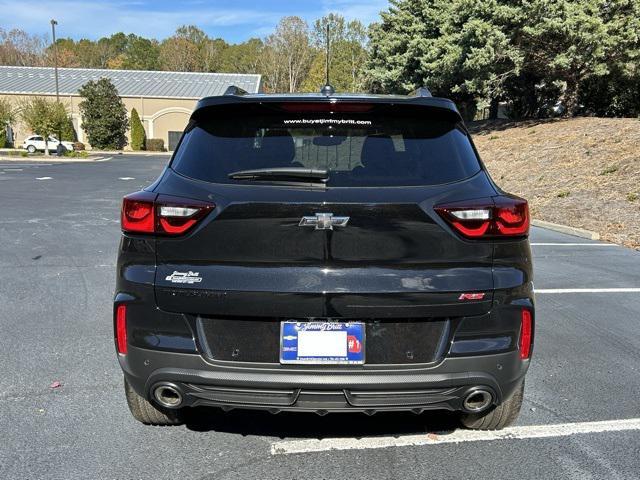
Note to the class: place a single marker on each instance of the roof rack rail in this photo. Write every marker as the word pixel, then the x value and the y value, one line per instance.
pixel 233 90
pixel 421 92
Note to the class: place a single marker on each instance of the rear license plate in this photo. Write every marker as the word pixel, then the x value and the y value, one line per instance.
pixel 322 342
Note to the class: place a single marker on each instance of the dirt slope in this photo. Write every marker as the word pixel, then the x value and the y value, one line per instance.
pixel 583 172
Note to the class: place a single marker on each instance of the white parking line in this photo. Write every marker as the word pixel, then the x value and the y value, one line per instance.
pixel 126 178
pixel 573 244
pixel 105 159
pixel 587 290
pixel 44 178
pixel 458 436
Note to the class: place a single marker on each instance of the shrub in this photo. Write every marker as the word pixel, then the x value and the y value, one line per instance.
pixel 74 154
pixel 67 132
pixel 7 117
pixel 78 146
pixel 138 136
pixel 155 145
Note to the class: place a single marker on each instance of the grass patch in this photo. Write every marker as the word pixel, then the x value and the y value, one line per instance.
pixel 563 194
pixel 609 170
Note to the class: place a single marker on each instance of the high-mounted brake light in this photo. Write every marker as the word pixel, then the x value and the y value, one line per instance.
pixel 146 212
pixel 121 329
pixel 526 334
pixel 503 216
pixel 310 107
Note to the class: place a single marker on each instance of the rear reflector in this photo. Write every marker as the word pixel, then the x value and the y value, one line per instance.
pixel 526 334
pixel 121 329
pixel 503 216
pixel 146 212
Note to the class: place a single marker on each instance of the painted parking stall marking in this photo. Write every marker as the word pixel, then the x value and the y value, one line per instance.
pixel 587 290
pixel 551 244
pixel 287 447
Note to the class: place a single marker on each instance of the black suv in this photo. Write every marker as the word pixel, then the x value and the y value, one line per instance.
pixel 325 253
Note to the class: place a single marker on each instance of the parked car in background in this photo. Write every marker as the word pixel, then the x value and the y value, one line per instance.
pixel 35 143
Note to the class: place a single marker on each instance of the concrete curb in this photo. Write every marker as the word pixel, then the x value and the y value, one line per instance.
pixel 51 159
pixel 145 153
pixel 576 232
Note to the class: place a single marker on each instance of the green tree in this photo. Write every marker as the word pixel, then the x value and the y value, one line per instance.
pixel 43 117
pixel 566 43
pixel 141 54
pixel 7 118
pixel 67 132
pixel 242 57
pixel 463 49
pixel 138 136
pixel 104 116
pixel 347 55
pixel 287 55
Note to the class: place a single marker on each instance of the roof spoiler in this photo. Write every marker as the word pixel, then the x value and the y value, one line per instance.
pixel 233 90
pixel 421 92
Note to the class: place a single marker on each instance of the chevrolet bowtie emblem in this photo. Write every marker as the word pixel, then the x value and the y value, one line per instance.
pixel 323 221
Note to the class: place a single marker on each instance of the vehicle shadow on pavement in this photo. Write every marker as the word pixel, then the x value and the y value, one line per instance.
pixel 310 425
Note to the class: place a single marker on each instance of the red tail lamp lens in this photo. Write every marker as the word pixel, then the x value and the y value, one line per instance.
pixel 512 218
pixel 526 334
pixel 503 216
pixel 138 213
pixel 121 329
pixel 145 212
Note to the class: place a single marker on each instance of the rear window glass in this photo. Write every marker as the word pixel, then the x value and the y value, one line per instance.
pixel 358 149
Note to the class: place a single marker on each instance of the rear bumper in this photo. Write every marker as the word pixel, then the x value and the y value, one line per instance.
pixel 309 389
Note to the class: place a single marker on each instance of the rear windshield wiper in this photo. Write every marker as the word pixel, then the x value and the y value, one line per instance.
pixel 282 173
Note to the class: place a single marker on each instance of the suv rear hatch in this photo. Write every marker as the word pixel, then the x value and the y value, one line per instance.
pixel 387 166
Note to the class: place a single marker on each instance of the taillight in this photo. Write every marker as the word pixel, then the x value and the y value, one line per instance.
pixel 503 216
pixel 146 212
pixel 121 329
pixel 138 213
pixel 526 334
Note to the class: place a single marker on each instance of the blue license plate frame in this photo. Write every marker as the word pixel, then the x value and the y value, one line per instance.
pixel 321 343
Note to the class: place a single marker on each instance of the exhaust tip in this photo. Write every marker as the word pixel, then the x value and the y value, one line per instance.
pixel 167 396
pixel 477 401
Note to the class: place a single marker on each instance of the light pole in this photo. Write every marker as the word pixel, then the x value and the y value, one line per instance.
pixel 55 56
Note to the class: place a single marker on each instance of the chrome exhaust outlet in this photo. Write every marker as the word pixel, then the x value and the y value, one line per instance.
pixel 477 400
pixel 167 395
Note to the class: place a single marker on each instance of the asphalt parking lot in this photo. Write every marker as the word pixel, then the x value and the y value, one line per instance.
pixel 59 234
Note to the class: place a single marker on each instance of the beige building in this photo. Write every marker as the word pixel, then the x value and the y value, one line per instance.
pixel 164 100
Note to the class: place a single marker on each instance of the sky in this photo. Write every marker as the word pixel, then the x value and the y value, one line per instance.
pixel 233 20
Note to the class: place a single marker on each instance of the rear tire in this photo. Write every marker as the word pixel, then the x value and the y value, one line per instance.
pixel 498 417
pixel 147 413
pixel 31 149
